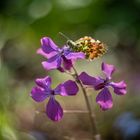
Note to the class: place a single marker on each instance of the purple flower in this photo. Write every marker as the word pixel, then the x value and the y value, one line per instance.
pixel 57 58
pixel 43 90
pixel 104 98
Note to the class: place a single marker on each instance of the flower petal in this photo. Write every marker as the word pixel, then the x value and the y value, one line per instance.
pixel 48 46
pixel 89 80
pixel 61 69
pixel 46 55
pixel 52 63
pixel 54 110
pixel 44 82
pixel 75 55
pixel 119 88
pixel 67 88
pixel 104 99
pixel 38 94
pixel 67 64
pixel 108 69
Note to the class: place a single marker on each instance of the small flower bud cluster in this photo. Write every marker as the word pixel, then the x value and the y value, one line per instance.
pixel 91 47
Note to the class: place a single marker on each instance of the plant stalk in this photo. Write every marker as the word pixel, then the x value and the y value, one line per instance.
pixel 95 133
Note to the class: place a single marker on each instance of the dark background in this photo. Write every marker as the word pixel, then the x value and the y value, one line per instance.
pixel 24 22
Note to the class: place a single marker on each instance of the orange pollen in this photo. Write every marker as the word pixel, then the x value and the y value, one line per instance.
pixel 91 47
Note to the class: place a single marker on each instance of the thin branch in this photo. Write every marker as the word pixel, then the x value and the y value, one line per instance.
pixel 96 135
pixel 67 111
pixel 76 111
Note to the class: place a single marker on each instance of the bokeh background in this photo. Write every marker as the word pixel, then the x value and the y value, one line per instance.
pixel 23 23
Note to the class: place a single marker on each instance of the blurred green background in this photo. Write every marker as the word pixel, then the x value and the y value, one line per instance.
pixel 24 22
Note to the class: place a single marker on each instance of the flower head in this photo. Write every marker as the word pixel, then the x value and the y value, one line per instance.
pixel 57 58
pixel 91 47
pixel 43 90
pixel 104 98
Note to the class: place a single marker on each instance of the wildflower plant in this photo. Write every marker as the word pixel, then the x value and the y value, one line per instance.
pixel 43 90
pixel 63 59
pixel 104 98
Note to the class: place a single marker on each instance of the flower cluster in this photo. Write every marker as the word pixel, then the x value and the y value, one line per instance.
pixel 104 98
pixel 43 90
pixel 63 60
pixel 92 48
pixel 58 58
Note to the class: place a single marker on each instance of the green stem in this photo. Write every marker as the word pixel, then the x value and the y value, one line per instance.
pixel 95 133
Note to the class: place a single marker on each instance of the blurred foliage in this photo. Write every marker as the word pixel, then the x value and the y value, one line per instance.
pixel 23 23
